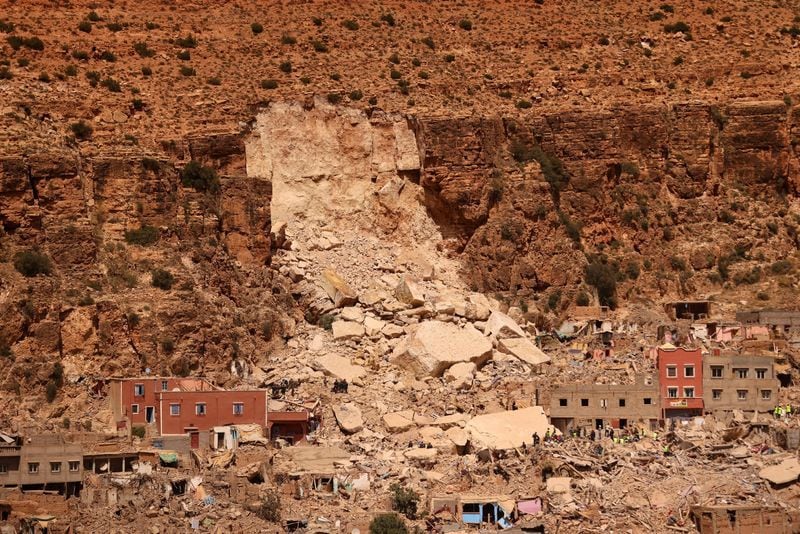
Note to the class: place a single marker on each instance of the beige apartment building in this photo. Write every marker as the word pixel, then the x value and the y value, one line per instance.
pixel 746 383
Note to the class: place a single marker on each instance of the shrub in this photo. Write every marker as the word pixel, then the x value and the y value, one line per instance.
pixel 6 27
pixel 162 279
pixel 394 58
pixel 5 74
pixel 387 524
pixel 465 24
pixel 5 351
pixel 144 236
pixel 214 80
pixel 112 85
pixel 85 26
pixel 496 187
pixel 187 71
pixel 388 18
pixel 326 321
pixel 66 423
pixel 553 300
pixel 286 66
pixel 781 267
pixel 137 104
pixel 449 58
pixel 108 56
pixel 424 74
pixel 727 217
pixel 143 50
pixel 269 84
pixel 748 277
pixel 167 344
pixel 657 15
pixel 256 28
pixel 395 74
pixel 404 500
pixel 184 55
pixel 51 391
pixel 632 270
pixel 350 24
pixel 133 319
pixel 319 46
pixel 678 27
pixel 288 39
pixel 93 77
pixel 114 27
pixel 356 95
pixel 44 77
pixel 373 101
pixel 428 41
pixel 762 295
pixel 677 263
pixel 270 507
pixel 147 71
pixel 186 42
pixel 33 43
pixel 603 277
pixel 30 263
pixel 138 431
pixel 199 177
pixel 667 8
pixel 334 98
pixel 523 104
pixel 572 228
pixel 582 299
pixel 93 16
pixel 71 70
pixel 317 21
pixel 603 41
pixel 86 300
pixel 151 25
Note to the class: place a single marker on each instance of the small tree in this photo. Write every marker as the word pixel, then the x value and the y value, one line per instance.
pixel 404 500
pixel 144 236
pixel 199 177
pixel 31 263
pixel 81 130
pixel 270 507
pixel 256 28
pixel 388 524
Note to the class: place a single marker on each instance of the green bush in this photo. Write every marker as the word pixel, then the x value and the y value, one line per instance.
pixel 465 24
pixel 16 42
pixel 326 321
pixel 449 58
pixel 269 84
pixel 138 431
pixel 286 66
pixel 44 77
pixel 6 27
pixel 334 98
pixel 317 21
pixel 404 500
pixel 187 71
pixel 93 16
pixel 388 18
pixel 112 85
pixel 147 71
pixel 5 74
pixel 524 104
pixel 186 42
pixel 184 55
pixel 151 25
pixel 51 392
pixel 428 41
pixel 572 228
pixel 356 95
pixel 781 267
pixel 288 39
pixel 553 300
pixel 270 507
pixel 256 28
pixel 632 270
pixel 214 80
pixel 319 46
pixel 603 41
pixel 85 26
pixel 143 50
pixel 71 70
pixel 114 27
pixel 144 236
pixel 762 295
pixel 748 277
pixel 31 262
pixel 387 524
pixel 199 177
pixel 679 26
pixel 350 24
pixel 582 299
pixel 162 279
pixel 677 263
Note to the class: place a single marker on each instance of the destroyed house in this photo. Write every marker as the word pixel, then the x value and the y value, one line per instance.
pixel 778 320
pixel 694 310
pixel 289 426
pixel 746 383
pixel 45 462
pixel 680 378
pixel 744 519
pixel 574 406
pixel 477 509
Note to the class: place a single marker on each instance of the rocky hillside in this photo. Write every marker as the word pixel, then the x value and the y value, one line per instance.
pixel 544 155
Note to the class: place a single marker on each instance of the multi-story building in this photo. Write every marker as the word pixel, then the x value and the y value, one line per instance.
pixel 680 377
pixel 574 406
pixel 171 406
pixel 746 383
pixel 45 462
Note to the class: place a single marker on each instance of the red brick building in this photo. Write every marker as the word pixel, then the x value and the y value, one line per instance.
pixel 680 373
pixel 292 427
pixel 169 405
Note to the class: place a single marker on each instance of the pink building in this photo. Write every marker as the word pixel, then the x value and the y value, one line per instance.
pixel 680 374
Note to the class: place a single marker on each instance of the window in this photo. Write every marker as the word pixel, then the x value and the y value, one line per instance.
pixel 688 371
pixel 716 371
pixel 672 393
pixel 471 508
pixel 55 467
pixel 688 393
pixel 561 402
pixel 603 403
pixel 138 390
pixel 766 394
pixel 761 373
pixel 74 466
pixel 134 408
pixel 584 402
pixel 33 468
pixel 164 385
pixel 200 408
pixel 174 409
pixel 672 371
pixel 648 401
pixel 716 394
pixel 238 408
pixel 3 469
pixel 621 403
pixel 741 394
pixel 740 373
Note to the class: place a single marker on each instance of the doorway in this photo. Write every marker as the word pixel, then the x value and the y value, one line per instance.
pixel 194 439
pixel 150 414
pixel 598 424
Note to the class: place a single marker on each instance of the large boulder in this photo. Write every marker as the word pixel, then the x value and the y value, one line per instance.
pixel 435 346
pixel 349 417
pixel 460 375
pixel 337 289
pixel 410 292
pixel 507 430
pixel 502 326
pixel 338 367
pixel 524 350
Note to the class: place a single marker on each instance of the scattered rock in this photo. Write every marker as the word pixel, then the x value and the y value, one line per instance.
pixel 347 330
pixel 338 367
pixel 507 430
pixel 399 421
pixel 435 346
pixel 373 326
pixel 410 292
pixel 460 375
pixel 502 326
pixel 337 289
pixel 523 349
pixel 352 313
pixel 349 417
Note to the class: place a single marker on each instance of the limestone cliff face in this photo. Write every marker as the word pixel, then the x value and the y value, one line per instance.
pixel 642 183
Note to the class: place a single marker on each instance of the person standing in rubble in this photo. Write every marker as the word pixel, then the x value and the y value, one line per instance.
pixel 536 439
pixel 788 411
pixel 776 412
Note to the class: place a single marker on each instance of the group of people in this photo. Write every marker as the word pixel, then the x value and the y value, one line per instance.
pixel 782 412
pixel 340 386
pixel 623 435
